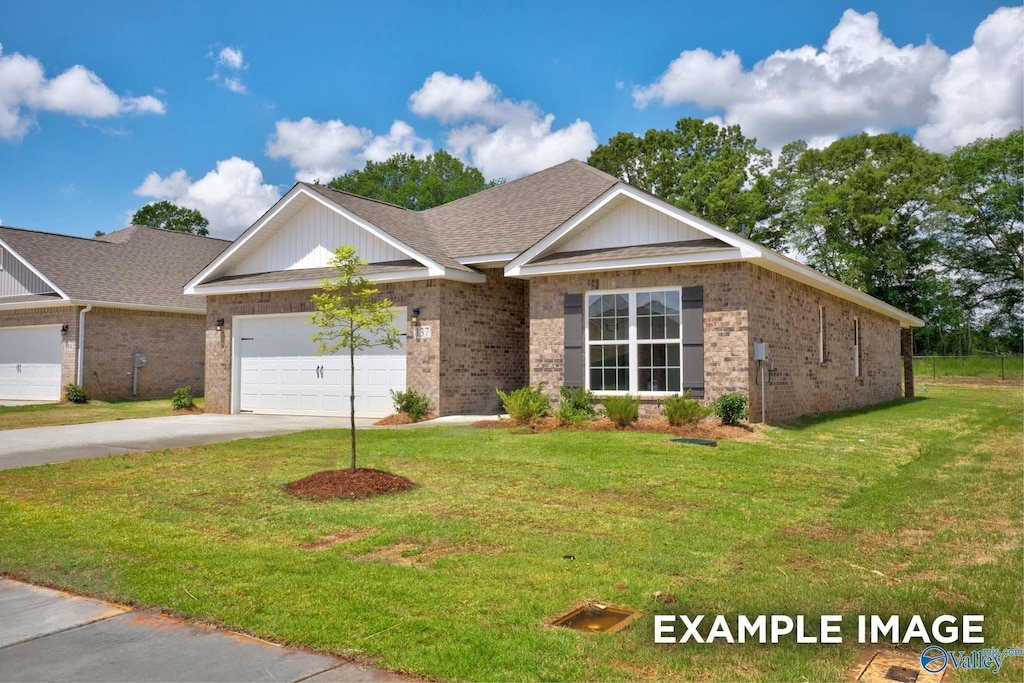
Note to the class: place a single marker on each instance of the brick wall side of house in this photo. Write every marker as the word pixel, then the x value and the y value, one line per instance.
pixel 172 342
pixel 63 315
pixel 483 342
pixel 421 362
pixel 784 313
pixel 726 292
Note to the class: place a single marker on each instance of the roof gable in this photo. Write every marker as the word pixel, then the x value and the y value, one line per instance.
pixel 138 266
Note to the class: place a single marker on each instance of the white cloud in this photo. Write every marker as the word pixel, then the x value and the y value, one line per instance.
pixel 326 149
pixel 982 92
pixel 501 137
pixel 230 59
pixel 25 91
pixel 232 196
pixel 859 80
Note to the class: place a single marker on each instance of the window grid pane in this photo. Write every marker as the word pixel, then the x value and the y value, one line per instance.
pixel 608 317
pixel 609 367
pixel 658 367
pixel 657 315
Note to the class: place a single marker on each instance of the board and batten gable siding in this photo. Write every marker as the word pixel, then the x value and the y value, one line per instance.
pixel 16 279
pixel 629 224
pixel 309 240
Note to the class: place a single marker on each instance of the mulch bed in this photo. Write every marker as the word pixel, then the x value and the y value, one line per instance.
pixel 701 430
pixel 400 419
pixel 363 483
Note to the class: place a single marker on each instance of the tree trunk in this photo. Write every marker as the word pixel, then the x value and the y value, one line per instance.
pixel 352 400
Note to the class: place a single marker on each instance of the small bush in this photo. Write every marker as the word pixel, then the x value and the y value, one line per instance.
pixel 576 406
pixel 622 410
pixel 731 408
pixel 526 404
pixel 182 398
pixel 411 402
pixel 684 410
pixel 75 394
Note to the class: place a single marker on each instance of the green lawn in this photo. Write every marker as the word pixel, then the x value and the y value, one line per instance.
pixel 50 414
pixel 911 508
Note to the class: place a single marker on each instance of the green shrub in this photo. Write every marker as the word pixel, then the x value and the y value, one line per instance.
pixel 622 410
pixel 75 394
pixel 684 410
pixel 182 398
pixel 731 408
pixel 411 402
pixel 526 404
pixel 576 406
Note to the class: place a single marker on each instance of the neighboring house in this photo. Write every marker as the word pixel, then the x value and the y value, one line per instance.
pixel 76 310
pixel 564 277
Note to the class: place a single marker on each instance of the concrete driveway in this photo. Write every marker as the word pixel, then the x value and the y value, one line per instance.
pixel 45 445
pixel 47 635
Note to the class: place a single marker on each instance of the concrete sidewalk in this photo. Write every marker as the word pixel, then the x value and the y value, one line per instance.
pixel 45 445
pixel 47 635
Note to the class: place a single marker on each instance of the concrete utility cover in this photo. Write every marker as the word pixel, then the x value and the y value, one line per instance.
pixel 879 665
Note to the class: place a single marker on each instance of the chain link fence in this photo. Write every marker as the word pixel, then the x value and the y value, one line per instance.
pixel 1002 367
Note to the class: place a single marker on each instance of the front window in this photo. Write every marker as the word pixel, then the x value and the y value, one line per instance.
pixel 634 341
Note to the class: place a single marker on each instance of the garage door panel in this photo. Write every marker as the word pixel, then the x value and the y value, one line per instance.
pixel 30 363
pixel 288 381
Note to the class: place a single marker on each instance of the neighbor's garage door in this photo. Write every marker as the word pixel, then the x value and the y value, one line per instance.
pixel 281 372
pixel 30 363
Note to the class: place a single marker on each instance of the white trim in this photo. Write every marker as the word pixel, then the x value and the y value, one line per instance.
pixel 487 259
pixel 298 190
pixel 80 361
pixel 747 248
pixel 721 255
pixel 632 342
pixel 98 304
pixel 55 303
pixel 285 285
pixel 801 273
pixel 35 271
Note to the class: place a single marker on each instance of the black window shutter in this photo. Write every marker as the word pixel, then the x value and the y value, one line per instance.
pixel 573 344
pixel 693 339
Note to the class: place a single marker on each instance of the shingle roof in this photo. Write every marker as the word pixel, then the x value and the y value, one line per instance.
pixel 639 251
pixel 514 216
pixel 138 265
pixel 300 274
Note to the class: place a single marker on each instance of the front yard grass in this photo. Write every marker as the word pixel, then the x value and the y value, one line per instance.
pixel 52 414
pixel 911 508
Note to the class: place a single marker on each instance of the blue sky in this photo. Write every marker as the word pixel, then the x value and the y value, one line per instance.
pixel 106 106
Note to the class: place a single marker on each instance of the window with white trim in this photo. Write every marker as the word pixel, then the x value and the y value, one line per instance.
pixel 856 347
pixel 634 341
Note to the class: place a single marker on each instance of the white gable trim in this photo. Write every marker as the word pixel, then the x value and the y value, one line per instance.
pixel 297 191
pixel 747 248
pixel 35 271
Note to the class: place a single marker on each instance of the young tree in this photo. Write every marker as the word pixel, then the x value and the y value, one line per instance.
pixel 168 216
pixel 413 183
pixel 351 316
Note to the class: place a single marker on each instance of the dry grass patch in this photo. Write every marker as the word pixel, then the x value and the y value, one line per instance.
pixel 346 536
pixel 421 555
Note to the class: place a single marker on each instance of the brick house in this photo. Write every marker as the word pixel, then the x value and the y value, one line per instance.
pixel 565 277
pixel 75 310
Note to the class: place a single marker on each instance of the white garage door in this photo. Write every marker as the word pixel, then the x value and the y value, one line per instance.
pixel 30 363
pixel 280 371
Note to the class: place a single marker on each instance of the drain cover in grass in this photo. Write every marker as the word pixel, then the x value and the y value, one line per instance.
pixel 696 442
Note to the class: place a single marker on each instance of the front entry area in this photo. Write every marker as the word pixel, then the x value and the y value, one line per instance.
pixel 278 370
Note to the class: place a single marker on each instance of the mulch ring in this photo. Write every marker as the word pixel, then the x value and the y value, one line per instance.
pixel 400 419
pixel 702 430
pixel 363 483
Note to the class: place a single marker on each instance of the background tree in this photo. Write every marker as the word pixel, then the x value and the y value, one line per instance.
pixel 983 240
pixel 413 183
pixel 862 210
pixel 714 172
pixel 168 216
pixel 351 316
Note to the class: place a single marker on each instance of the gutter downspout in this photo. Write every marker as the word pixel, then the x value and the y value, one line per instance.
pixel 81 343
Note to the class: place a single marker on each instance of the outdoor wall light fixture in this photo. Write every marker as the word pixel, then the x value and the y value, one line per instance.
pixel 64 329
pixel 220 324
pixel 415 316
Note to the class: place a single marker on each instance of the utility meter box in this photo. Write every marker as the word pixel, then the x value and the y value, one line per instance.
pixel 139 360
pixel 760 350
